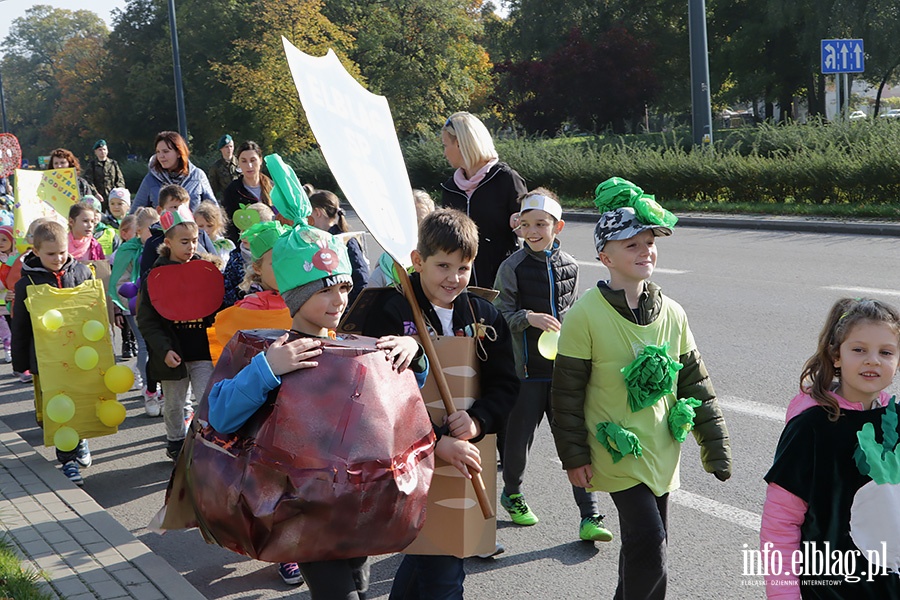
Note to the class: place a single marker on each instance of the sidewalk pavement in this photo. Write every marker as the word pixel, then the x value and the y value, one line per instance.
pixel 59 529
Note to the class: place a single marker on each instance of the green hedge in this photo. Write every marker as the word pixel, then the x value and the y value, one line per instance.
pixel 854 163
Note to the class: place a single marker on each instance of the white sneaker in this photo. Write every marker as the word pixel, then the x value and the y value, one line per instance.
pixel 151 404
pixel 8 356
pixel 138 381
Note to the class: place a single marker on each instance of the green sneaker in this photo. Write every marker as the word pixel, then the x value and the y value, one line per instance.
pixel 518 510
pixel 593 530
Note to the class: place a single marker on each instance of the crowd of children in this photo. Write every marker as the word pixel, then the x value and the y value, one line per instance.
pixel 621 389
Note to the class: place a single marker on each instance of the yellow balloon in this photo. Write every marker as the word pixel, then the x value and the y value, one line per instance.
pixel 118 379
pixel 111 413
pixel 52 319
pixel 547 344
pixel 65 438
pixel 93 330
pixel 60 408
pixel 86 358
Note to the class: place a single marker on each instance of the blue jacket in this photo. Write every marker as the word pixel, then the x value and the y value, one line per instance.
pixel 196 184
pixel 233 401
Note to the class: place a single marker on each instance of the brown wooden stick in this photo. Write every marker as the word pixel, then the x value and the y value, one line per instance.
pixel 439 378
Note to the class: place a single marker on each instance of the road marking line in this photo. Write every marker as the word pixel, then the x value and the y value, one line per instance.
pixel 725 512
pixel 596 263
pixel 862 290
pixel 757 409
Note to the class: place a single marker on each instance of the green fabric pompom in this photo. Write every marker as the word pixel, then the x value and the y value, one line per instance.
pixel 616 192
pixel 650 212
pixel 618 441
pixel 681 418
pixel 881 461
pixel 650 376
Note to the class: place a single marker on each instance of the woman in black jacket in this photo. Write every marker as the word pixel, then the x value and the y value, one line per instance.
pixel 485 189
pixel 252 186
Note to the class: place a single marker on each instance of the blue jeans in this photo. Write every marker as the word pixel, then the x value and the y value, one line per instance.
pixel 141 344
pixel 423 577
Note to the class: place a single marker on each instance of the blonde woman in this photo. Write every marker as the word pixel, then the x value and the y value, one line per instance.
pixel 484 188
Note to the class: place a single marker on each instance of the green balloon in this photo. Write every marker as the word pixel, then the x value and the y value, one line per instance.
pixel 93 330
pixel 86 358
pixel 66 439
pixel 60 408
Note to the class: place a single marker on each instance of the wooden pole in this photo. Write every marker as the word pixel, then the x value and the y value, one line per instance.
pixel 440 379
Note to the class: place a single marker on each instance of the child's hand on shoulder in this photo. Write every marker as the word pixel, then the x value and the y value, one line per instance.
pixel 463 426
pixel 580 476
pixel 284 357
pixel 459 453
pixel 543 321
pixel 400 350
pixel 172 359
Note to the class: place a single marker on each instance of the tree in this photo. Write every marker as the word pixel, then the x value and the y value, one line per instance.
pixel 46 50
pixel 539 28
pixel 258 76
pixel 137 87
pixel 79 113
pixel 880 22
pixel 420 54
pixel 591 83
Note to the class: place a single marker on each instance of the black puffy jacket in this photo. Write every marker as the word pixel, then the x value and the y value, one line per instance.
pixel 541 282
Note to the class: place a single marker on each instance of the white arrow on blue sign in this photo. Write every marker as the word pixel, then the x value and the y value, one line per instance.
pixel 843 56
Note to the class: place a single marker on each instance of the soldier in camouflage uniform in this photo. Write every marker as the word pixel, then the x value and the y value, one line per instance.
pixel 103 172
pixel 225 170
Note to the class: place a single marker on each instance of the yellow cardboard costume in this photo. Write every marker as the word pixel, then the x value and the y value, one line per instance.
pixel 64 345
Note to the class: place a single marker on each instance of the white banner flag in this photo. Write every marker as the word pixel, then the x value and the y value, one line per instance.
pixel 355 131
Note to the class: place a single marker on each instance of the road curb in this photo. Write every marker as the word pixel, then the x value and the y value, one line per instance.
pixel 764 223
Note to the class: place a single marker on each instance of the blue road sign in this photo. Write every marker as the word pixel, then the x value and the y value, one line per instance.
pixel 842 56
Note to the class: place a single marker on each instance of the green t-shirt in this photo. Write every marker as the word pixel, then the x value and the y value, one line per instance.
pixel 594 331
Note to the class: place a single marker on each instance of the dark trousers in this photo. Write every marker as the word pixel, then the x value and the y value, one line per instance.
pixel 525 417
pixel 423 577
pixel 346 579
pixel 643 521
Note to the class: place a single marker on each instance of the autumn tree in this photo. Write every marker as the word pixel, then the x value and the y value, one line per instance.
pixel 257 72
pixel 49 72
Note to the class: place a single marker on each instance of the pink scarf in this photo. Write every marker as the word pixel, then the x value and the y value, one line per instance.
pixel 79 248
pixel 470 185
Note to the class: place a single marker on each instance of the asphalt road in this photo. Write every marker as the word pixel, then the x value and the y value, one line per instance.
pixel 755 300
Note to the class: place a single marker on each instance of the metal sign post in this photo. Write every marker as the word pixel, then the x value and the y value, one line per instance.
pixel 840 57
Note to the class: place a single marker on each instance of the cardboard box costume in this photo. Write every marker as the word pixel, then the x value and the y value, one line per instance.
pixel 64 346
pixel 340 449
pixel 455 525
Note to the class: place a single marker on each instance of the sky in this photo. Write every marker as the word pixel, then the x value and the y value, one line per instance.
pixel 12 9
